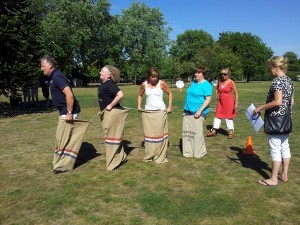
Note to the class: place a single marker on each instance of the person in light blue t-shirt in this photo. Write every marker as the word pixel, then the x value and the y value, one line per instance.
pixel 198 95
pixel 196 108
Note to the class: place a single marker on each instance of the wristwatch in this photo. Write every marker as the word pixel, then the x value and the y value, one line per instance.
pixel 69 112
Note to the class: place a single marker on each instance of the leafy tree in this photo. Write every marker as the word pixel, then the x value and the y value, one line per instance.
pixel 144 37
pixel 217 58
pixel 293 61
pixel 75 34
pixel 113 55
pixel 189 43
pixel 171 68
pixel 188 69
pixel 19 49
pixel 253 53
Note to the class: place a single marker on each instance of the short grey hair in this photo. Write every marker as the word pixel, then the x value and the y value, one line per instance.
pixel 50 60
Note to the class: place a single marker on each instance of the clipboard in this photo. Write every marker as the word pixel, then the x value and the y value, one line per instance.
pixel 255 120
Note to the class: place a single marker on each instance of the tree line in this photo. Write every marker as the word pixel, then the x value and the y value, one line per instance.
pixel 83 36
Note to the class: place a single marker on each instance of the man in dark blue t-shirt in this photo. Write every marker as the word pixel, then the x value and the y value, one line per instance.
pixel 61 92
pixel 69 132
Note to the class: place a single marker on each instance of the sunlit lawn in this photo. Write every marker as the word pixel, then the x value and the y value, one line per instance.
pixel 220 188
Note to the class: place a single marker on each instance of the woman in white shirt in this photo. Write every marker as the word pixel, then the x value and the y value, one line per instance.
pixel 153 87
pixel 154 117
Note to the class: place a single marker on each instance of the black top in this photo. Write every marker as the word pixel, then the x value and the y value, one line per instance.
pixel 58 82
pixel 107 91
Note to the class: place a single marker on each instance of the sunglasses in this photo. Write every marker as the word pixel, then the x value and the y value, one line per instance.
pixel 224 74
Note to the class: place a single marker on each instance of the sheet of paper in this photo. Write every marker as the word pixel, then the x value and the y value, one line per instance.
pixel 255 120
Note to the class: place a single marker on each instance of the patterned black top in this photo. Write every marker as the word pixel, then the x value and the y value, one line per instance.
pixel 284 84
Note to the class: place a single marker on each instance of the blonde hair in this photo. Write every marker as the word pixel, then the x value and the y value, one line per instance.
pixel 226 71
pixel 114 73
pixel 278 61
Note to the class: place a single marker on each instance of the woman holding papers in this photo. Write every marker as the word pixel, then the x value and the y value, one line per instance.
pixel 227 96
pixel 154 117
pixel 279 100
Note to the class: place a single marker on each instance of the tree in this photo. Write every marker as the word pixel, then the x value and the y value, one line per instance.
pixel 144 38
pixel 217 58
pixel 171 68
pixel 293 61
pixel 253 53
pixel 19 49
pixel 189 43
pixel 75 34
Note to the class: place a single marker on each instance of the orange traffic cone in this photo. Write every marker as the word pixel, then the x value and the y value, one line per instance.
pixel 249 147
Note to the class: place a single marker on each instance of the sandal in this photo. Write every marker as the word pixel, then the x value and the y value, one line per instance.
pixel 212 133
pixel 230 135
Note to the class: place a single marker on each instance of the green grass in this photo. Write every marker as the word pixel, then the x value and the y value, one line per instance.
pixel 220 188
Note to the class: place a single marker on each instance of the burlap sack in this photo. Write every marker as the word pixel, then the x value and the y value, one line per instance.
pixel 113 130
pixel 193 143
pixel 155 124
pixel 69 137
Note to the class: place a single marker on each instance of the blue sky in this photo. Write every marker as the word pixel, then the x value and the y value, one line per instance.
pixel 276 22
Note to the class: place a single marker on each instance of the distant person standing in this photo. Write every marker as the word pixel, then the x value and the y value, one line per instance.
pixel 70 132
pixel 26 92
pixel 34 91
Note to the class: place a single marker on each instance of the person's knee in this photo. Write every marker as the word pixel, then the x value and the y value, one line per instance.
pixel 275 154
pixel 286 153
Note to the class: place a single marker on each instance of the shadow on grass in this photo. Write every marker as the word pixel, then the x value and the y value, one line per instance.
pixel 86 153
pixel 127 148
pixel 180 145
pixel 251 161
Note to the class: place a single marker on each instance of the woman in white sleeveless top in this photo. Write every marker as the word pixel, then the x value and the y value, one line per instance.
pixel 153 87
pixel 154 117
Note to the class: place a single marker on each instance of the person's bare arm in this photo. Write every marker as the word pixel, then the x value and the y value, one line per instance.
pixel 116 100
pixel 204 105
pixel 275 103
pixel 169 92
pixel 70 101
pixel 235 93
pixel 140 96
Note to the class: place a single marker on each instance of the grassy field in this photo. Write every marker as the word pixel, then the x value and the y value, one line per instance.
pixel 220 188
